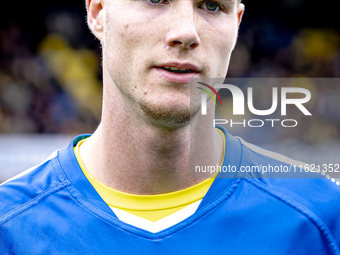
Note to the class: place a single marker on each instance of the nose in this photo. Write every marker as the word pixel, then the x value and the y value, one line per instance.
pixel 183 28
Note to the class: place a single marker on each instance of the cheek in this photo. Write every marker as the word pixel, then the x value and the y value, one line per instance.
pixel 220 43
pixel 225 39
pixel 118 46
pixel 126 27
pixel 229 39
pixel 125 38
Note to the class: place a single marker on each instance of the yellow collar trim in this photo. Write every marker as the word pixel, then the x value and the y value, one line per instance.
pixel 164 201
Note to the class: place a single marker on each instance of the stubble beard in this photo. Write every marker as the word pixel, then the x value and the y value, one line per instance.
pixel 168 117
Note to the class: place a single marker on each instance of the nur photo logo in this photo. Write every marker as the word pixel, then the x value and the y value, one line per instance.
pixel 204 97
pixel 240 101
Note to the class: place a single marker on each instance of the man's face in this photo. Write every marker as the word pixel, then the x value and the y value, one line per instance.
pixel 146 43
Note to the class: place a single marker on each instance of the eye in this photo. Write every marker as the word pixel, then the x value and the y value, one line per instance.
pixel 156 1
pixel 211 6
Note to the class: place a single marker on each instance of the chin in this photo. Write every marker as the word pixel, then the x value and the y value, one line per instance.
pixel 167 116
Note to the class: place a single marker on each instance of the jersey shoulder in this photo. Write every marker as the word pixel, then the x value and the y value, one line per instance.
pixel 314 194
pixel 28 188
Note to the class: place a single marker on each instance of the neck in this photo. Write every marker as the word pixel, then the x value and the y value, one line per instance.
pixel 133 156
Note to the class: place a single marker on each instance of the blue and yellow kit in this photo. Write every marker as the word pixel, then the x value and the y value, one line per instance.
pixel 57 208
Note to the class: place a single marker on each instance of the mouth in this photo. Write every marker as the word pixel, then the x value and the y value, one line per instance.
pixel 180 73
pixel 177 70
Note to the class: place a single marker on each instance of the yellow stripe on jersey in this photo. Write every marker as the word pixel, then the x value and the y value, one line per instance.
pixel 150 207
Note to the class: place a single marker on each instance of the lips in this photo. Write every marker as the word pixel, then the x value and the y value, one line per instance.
pixel 178 72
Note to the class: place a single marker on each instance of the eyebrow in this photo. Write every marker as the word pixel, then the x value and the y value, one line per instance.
pixel 232 2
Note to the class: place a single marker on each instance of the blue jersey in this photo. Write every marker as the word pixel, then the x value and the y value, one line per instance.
pixel 53 209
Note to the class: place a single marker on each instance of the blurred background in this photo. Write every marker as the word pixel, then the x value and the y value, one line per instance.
pixel 50 74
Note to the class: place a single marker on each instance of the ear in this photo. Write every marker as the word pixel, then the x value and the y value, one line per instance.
pixel 240 11
pixel 95 17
